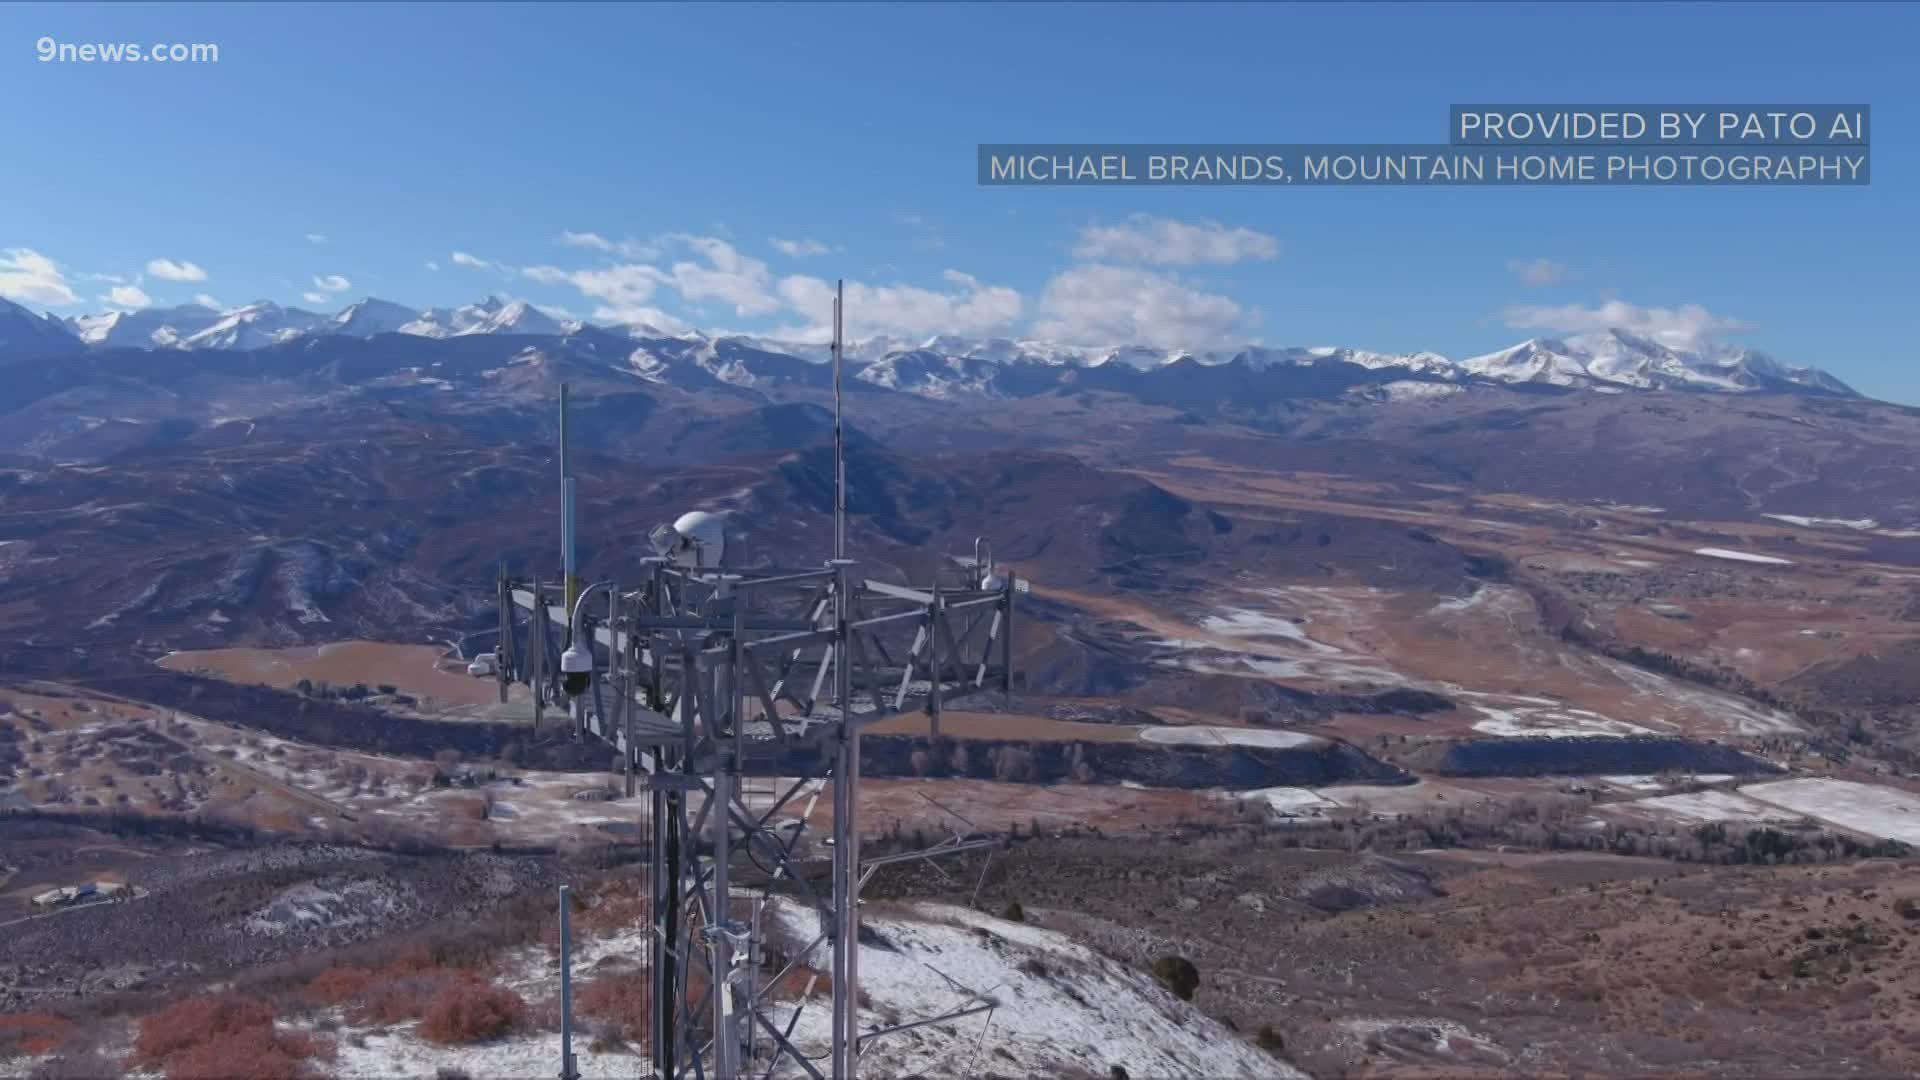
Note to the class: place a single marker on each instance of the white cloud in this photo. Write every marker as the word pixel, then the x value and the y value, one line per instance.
pixel 630 249
pixel 168 270
pixel 316 298
pixel 316 238
pixel 906 310
pixel 728 276
pixel 586 240
pixel 1110 305
pixel 206 301
pixel 128 296
pixel 331 283
pixel 1683 326
pixel 720 274
pixel 29 276
pixel 475 262
pixel 431 265
pixel 798 249
pixel 623 292
pixel 1537 273
pixel 1148 239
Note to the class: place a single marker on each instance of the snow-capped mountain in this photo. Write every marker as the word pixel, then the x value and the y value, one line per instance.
pixel 254 326
pixel 943 366
pixel 23 331
pixel 1619 359
pixel 490 316
pixel 147 328
pixel 373 316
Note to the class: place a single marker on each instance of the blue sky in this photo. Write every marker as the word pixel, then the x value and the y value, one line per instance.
pixel 341 150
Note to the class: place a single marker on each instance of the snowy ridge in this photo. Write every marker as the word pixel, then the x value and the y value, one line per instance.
pixel 951 366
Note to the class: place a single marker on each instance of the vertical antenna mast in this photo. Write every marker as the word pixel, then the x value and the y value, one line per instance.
pixel 839 439
pixel 570 584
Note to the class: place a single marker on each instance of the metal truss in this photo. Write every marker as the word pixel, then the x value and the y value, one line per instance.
pixel 704 681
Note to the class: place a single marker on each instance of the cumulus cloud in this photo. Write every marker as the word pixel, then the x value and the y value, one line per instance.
pixel 431 265
pixel 1144 238
pixel 726 276
pixel 330 283
pixel 473 262
pixel 1537 273
pixel 623 292
pixel 316 238
pixel 128 296
pixel 316 297
pixel 970 307
pixel 1683 326
pixel 168 270
pixel 28 276
pixel 628 249
pixel 586 240
pixel 1109 305
pixel 798 249
pixel 206 301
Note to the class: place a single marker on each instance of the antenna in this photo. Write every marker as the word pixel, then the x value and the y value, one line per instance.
pixel 714 679
pixel 839 436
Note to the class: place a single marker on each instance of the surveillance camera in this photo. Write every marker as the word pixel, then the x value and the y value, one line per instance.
pixel 576 670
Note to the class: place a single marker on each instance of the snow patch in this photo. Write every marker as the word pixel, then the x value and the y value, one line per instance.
pixel 1201 735
pixel 1741 556
pixel 1869 808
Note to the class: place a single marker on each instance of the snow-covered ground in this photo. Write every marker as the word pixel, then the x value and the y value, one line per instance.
pixel 1741 556
pixel 1649 782
pixel 1246 622
pixel 1290 802
pixel 1559 722
pixel 1868 808
pixel 1201 735
pixel 1704 806
pixel 1059 1005
pixel 1666 701
pixel 1859 524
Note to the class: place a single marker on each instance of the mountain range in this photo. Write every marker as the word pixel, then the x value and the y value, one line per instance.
pixel 939 367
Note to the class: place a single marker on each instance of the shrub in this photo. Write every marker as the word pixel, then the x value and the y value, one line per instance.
pixel 1269 1040
pixel 219 1036
pixel 32 1033
pixel 1013 912
pixel 185 1024
pixel 1179 974
pixel 1907 907
pixel 338 985
pixel 624 1002
pixel 260 1053
pixel 391 1000
pixel 470 1012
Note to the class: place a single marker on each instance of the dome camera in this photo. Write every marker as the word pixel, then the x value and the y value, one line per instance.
pixel 576 670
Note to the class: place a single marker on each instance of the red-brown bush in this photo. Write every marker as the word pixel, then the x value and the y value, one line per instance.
pixel 32 1033
pixel 339 985
pixel 625 1002
pixel 224 1037
pixel 260 1053
pixel 470 1012
pixel 188 1023
pixel 396 999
